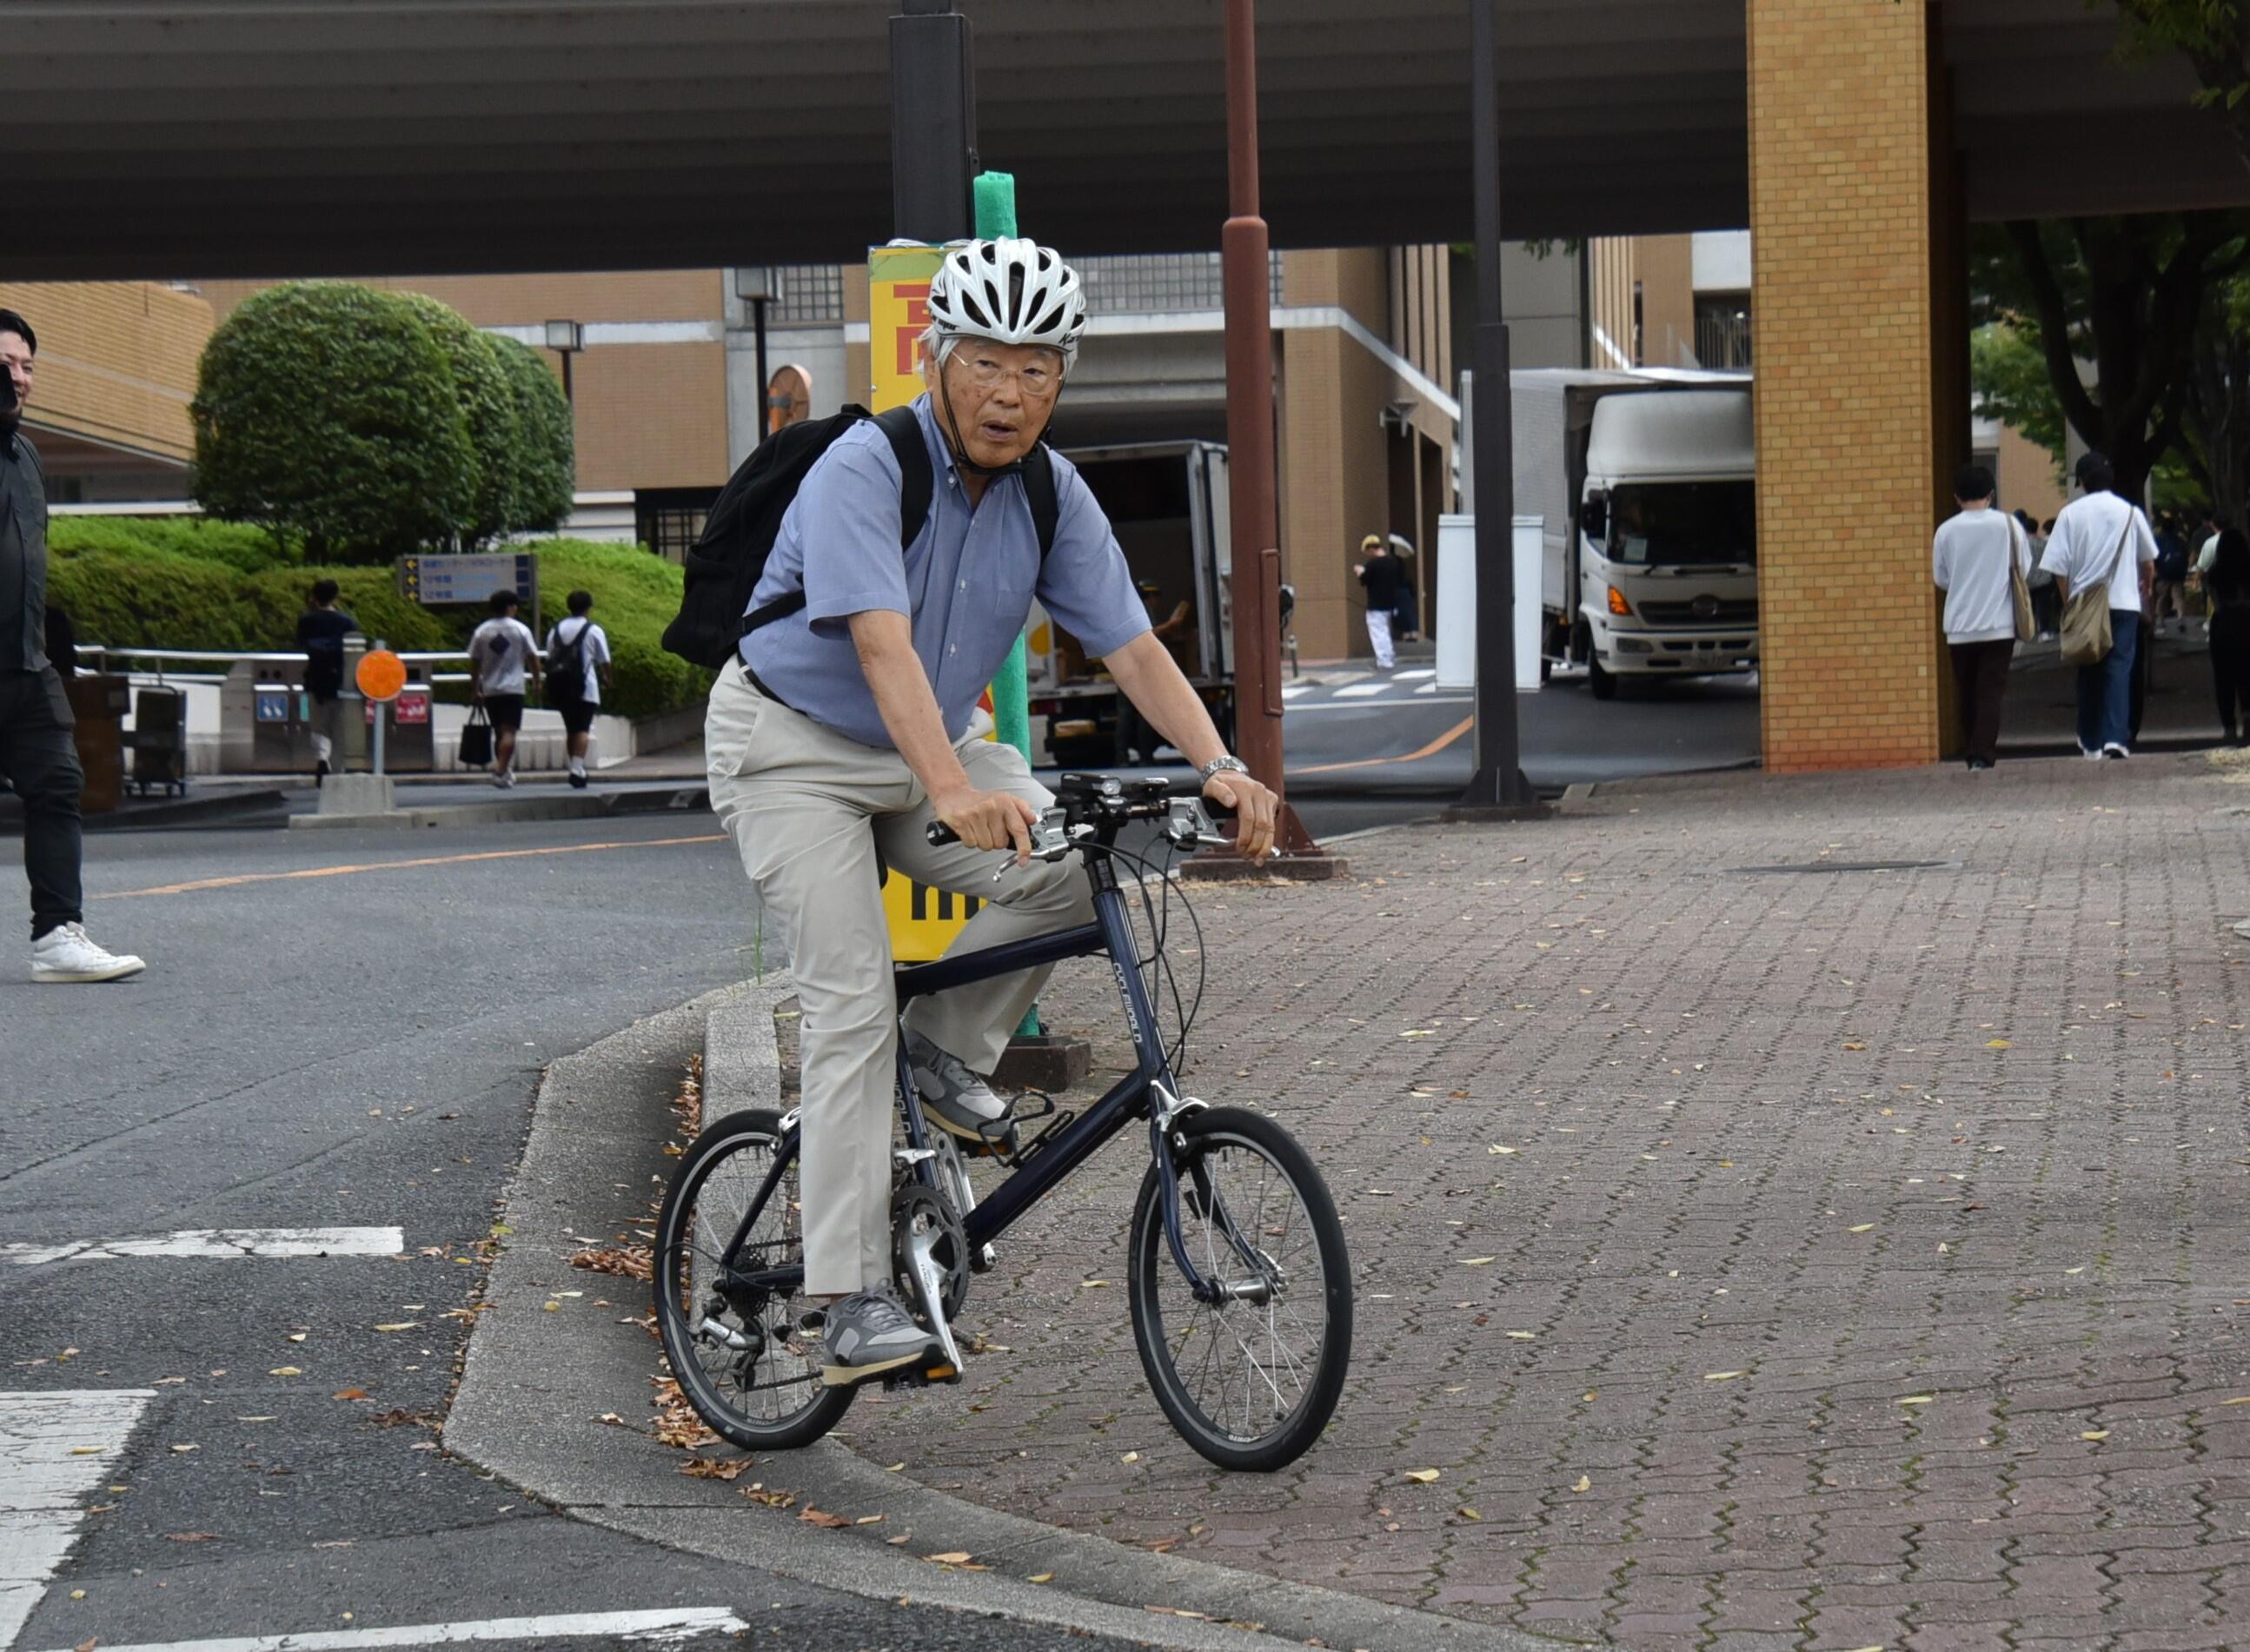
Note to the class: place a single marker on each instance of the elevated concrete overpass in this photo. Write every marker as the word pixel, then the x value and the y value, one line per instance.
pixel 1857 139
pixel 262 137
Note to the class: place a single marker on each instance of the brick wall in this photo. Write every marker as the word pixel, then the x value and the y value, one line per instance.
pixel 117 360
pixel 1840 212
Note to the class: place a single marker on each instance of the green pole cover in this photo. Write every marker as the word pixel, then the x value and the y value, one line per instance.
pixel 1012 694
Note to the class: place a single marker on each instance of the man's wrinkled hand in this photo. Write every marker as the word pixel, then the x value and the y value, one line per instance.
pixel 988 820
pixel 1257 811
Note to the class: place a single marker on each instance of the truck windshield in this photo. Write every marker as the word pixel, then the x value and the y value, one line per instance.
pixel 1670 524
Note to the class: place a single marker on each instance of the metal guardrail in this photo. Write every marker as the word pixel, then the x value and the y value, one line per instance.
pixel 100 654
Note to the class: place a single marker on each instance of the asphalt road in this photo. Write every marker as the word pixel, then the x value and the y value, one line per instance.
pixel 344 1030
pixel 331 1035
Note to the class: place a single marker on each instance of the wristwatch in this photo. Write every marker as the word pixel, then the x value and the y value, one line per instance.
pixel 1223 765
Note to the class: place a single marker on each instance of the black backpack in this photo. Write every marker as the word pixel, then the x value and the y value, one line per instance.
pixel 566 664
pixel 729 556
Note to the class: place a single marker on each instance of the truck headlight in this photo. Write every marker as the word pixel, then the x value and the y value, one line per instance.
pixel 1618 605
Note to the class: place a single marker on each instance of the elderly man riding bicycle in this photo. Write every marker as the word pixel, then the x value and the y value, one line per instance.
pixel 840 732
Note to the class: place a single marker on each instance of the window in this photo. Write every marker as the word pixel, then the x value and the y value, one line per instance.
pixel 669 519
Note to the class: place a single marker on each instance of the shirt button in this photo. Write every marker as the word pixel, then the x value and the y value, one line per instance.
pixel 954 649
pixel 965 584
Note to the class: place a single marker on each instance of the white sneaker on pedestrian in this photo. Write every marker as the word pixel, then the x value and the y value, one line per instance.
pixel 2113 750
pixel 2090 754
pixel 66 953
pixel 505 779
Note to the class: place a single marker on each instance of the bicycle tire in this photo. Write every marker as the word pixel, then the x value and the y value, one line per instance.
pixel 714 1384
pixel 1312 1395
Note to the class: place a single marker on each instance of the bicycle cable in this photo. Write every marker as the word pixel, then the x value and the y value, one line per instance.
pixel 1184 1012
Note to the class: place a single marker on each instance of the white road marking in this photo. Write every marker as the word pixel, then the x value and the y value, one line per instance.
pixel 1422 675
pixel 54 1447
pixel 1369 705
pixel 656 1627
pixel 1427 687
pixel 1361 690
pixel 219 1243
pixel 1291 693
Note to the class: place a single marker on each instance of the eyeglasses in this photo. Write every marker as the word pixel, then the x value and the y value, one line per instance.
pixel 1037 381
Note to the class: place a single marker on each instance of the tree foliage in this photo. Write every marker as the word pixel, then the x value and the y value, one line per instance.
pixel 327 413
pixel 360 424
pixel 547 464
pixel 2122 298
pixel 2214 36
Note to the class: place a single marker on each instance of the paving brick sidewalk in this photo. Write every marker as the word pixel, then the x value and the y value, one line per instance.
pixel 1870 1245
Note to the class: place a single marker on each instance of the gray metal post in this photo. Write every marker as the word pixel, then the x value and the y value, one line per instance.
pixel 382 716
pixel 933 123
pixel 1498 780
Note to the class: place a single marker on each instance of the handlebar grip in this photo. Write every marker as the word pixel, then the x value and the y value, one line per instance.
pixel 940 834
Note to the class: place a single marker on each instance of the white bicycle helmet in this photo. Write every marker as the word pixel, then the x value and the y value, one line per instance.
pixel 1012 290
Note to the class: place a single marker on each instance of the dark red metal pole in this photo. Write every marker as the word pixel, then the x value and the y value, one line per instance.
pixel 1255 519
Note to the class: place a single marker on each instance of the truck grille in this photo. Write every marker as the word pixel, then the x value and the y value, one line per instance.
pixel 1711 613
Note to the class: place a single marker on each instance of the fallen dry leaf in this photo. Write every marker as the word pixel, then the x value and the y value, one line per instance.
pixel 1586 1483
pixel 190 1536
pixel 285 1370
pixel 1721 1376
pixel 1422 1476
pixel 1863 1227
pixel 2239 1400
pixel 821 1517
pixel 1502 1151
pixel 1524 1336
pixel 950 1557
pixel 714 1468
pixel 1999 1044
pixel 2095 1433
pixel 1919 1400
pixel 403 1325
pixel 1130 1456
pixel 627 1262
pixel 1467 1513
pixel 1043 1576
pixel 1479 1261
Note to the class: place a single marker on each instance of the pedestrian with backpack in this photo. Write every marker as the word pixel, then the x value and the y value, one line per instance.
pixel 321 633
pixel 2103 558
pixel 878 572
pixel 578 669
pixel 502 652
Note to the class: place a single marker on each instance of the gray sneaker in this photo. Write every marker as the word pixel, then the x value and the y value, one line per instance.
pixel 870 1334
pixel 956 1098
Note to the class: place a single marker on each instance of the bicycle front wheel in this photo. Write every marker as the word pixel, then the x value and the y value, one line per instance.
pixel 739 1352
pixel 1251 1380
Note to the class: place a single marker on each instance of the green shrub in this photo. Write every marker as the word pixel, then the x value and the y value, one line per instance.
pixel 158 582
pixel 328 412
pixel 251 550
pixel 487 400
pixel 547 454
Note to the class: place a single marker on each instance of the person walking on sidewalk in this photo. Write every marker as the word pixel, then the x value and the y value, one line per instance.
pixel 846 723
pixel 2227 583
pixel 2101 537
pixel 1378 577
pixel 577 667
pixel 503 652
pixel 321 633
pixel 1975 558
pixel 37 752
pixel 2047 611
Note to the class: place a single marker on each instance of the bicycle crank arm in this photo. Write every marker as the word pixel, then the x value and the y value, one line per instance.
pixel 929 1285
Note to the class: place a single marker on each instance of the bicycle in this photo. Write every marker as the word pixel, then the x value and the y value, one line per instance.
pixel 1237 1278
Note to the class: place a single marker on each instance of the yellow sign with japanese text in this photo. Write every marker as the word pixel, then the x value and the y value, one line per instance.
pixel 922 921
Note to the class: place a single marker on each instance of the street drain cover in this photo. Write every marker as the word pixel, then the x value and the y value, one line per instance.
pixel 1854 866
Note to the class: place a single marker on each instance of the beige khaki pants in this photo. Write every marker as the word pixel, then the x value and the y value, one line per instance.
pixel 810 809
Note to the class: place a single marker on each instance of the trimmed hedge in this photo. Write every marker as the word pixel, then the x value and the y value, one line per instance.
pixel 171 583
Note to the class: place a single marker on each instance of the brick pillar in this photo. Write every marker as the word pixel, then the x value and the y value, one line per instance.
pixel 1840 95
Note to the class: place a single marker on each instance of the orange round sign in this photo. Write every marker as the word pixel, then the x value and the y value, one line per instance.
pixel 381 675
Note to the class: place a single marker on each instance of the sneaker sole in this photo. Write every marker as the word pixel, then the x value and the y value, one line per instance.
pixel 69 977
pixel 991 1146
pixel 852 1376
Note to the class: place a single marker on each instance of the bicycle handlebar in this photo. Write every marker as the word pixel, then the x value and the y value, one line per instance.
pixel 1087 801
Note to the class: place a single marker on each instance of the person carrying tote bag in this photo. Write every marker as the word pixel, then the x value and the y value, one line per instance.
pixel 2095 538
pixel 476 739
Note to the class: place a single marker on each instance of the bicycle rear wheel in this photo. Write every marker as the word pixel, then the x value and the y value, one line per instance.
pixel 737 1352
pixel 1251 1380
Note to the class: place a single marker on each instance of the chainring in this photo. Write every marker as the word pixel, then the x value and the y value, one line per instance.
pixel 917 1209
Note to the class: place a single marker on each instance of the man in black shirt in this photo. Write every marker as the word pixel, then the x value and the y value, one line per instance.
pixel 37 751
pixel 1378 575
pixel 321 633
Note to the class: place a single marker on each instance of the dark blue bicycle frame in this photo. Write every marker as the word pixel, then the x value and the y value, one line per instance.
pixel 1110 935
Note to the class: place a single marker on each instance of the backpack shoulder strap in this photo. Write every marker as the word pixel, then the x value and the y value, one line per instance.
pixel 1040 488
pixel 917 483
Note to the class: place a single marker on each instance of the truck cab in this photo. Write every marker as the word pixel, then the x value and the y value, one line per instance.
pixel 1667 536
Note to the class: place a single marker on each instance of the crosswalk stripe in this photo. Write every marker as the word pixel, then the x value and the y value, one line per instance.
pixel 1361 690
pixel 1417 675
pixel 1301 688
pixel 216 1244
pixel 668 1626
pixel 1427 687
pixel 54 1448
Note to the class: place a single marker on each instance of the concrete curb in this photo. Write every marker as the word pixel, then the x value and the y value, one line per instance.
pixel 568 805
pixel 535 1385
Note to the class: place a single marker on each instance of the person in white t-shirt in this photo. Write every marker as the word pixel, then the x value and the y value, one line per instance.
pixel 578 661
pixel 502 652
pixel 2102 535
pixel 1974 560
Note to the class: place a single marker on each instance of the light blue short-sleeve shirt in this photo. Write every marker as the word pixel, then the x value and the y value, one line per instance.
pixel 966 583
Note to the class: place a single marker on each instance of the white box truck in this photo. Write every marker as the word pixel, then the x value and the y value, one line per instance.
pixel 1645 479
pixel 1167 503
